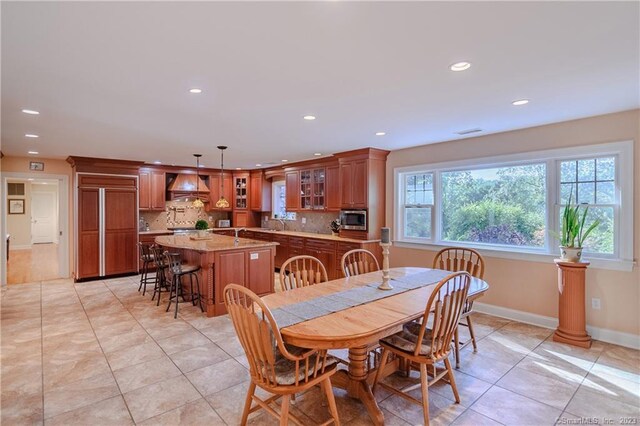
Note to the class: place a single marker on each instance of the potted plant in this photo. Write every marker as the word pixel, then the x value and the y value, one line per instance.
pixel 572 232
pixel 335 226
pixel 202 226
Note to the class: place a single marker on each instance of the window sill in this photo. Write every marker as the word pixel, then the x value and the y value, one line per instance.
pixel 609 264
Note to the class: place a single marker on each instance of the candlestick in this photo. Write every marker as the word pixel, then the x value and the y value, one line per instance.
pixel 385 266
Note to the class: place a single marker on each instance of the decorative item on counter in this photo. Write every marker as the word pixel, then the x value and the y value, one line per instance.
pixel 201 227
pixel 197 203
pixel 335 226
pixel 222 203
pixel 385 243
pixel 572 233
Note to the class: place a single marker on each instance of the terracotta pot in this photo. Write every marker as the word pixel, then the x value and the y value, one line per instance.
pixel 570 254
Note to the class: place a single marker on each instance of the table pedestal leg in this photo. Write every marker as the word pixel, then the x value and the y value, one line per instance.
pixel 355 383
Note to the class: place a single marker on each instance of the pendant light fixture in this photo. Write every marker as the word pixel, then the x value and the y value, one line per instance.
pixel 197 203
pixel 222 203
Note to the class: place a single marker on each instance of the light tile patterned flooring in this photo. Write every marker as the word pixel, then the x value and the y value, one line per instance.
pixel 100 353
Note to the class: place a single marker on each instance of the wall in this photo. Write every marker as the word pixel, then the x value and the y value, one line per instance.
pixel 19 225
pixel 532 286
pixel 51 167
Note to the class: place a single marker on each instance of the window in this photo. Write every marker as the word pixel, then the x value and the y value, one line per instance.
pixel 503 205
pixel 418 205
pixel 278 190
pixel 507 204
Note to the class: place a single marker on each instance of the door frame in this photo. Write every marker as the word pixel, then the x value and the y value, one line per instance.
pixel 63 220
pixel 56 232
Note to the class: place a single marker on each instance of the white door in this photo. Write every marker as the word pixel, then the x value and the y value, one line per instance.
pixel 44 222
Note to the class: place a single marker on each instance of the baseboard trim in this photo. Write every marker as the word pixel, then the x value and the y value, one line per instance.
pixel 20 247
pixel 603 334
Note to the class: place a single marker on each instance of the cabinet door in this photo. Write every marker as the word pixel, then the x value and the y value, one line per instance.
pixel 319 182
pixel 282 250
pixel 215 187
pixel 346 184
pixel 260 276
pixel 332 188
pixel 328 258
pixel 120 231
pixel 241 196
pixel 88 233
pixel 359 184
pixel 144 193
pixel 230 268
pixel 158 185
pixel 240 219
pixel 256 192
pixel 292 189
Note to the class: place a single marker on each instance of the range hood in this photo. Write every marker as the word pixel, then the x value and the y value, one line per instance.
pixel 183 188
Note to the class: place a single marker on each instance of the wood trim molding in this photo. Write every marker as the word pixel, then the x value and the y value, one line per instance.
pixel 104 165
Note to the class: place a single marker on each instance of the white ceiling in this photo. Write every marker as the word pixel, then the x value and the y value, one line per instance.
pixel 112 79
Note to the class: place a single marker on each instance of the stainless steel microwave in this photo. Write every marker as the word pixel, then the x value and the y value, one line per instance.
pixel 355 220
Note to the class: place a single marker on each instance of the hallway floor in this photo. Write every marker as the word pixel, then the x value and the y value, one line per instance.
pixel 100 353
pixel 39 263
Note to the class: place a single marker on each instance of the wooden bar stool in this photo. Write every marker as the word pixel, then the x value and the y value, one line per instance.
pixel 147 258
pixel 176 270
pixel 161 284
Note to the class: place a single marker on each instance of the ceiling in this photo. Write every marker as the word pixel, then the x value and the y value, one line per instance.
pixel 112 79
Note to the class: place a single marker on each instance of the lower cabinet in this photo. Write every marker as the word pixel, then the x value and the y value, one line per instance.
pixel 325 251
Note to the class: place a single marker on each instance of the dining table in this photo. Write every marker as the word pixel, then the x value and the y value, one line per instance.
pixel 358 328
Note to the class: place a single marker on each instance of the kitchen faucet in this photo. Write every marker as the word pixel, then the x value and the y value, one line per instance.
pixel 238 230
pixel 283 223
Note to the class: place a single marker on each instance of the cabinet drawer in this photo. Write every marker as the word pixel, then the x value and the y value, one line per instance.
pixel 282 239
pixel 320 244
pixel 296 241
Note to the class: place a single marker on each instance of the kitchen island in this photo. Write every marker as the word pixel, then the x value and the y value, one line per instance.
pixel 223 260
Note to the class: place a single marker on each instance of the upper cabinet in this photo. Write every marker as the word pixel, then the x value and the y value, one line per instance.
pixel 332 188
pixel 260 196
pixel 152 188
pixel 292 190
pixel 241 191
pixel 312 189
pixel 354 178
pixel 218 186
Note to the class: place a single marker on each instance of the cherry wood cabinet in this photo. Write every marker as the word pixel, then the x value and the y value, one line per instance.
pixel 152 189
pixel 325 251
pixel 241 191
pixel 215 184
pixel 260 197
pixel 88 255
pixel 282 249
pixel 353 175
pixel 292 190
pixel 332 188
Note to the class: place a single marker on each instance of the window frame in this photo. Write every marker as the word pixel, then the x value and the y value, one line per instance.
pixel 403 206
pixel 622 259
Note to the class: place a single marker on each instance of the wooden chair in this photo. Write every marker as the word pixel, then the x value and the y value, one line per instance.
pixel 147 259
pixel 456 259
pixel 359 261
pixel 302 271
pixel 420 347
pixel 280 369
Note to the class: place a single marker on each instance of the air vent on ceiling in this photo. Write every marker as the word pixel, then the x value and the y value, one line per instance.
pixel 468 131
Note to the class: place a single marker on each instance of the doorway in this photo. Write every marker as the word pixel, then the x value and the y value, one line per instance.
pixel 35 217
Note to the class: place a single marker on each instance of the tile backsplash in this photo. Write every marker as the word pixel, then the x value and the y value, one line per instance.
pixel 317 223
pixel 180 213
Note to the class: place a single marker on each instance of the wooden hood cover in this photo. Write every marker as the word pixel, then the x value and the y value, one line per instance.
pixel 184 185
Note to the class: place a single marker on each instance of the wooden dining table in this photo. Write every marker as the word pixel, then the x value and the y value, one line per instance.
pixel 360 327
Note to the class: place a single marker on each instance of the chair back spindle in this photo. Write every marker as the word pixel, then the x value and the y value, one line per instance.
pixel 457 259
pixel 302 271
pixel 359 261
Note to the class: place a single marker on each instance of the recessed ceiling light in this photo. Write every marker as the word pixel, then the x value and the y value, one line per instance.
pixel 317 154
pixel 520 102
pixel 31 135
pixel 238 168
pixel 284 161
pixel 30 179
pixel 468 131
pixel 33 152
pixel 195 90
pixel 460 66
pixel 380 133
pixel 309 117
pixel 258 165
pixel 157 162
pixel 30 111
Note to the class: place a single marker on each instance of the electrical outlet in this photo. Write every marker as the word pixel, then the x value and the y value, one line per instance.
pixel 595 303
pixel 304 220
pixel 266 218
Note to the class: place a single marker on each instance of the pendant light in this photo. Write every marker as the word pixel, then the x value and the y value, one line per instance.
pixel 222 203
pixel 197 203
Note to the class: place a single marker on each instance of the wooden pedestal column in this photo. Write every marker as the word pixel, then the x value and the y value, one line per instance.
pixel 572 322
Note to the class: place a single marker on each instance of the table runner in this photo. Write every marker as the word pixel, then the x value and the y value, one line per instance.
pixel 324 305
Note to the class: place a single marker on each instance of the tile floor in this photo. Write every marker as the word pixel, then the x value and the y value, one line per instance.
pixel 100 353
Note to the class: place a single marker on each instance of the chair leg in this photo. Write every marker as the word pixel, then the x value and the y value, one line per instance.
pixel 172 286
pixel 178 285
pixel 424 387
pixel 161 282
pixel 383 362
pixel 247 403
pixel 284 410
pixel 199 295
pixel 472 334
pixel 456 337
pixel 452 380
pixel 193 297
pixel 326 386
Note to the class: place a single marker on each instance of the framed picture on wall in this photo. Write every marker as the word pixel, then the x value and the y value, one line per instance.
pixel 36 165
pixel 16 206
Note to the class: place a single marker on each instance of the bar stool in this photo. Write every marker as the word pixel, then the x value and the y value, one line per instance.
pixel 176 270
pixel 161 284
pixel 147 259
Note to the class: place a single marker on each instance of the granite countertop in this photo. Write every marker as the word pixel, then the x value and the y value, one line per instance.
pixel 156 232
pixel 215 243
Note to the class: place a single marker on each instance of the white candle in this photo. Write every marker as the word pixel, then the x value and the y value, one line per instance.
pixel 385 235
